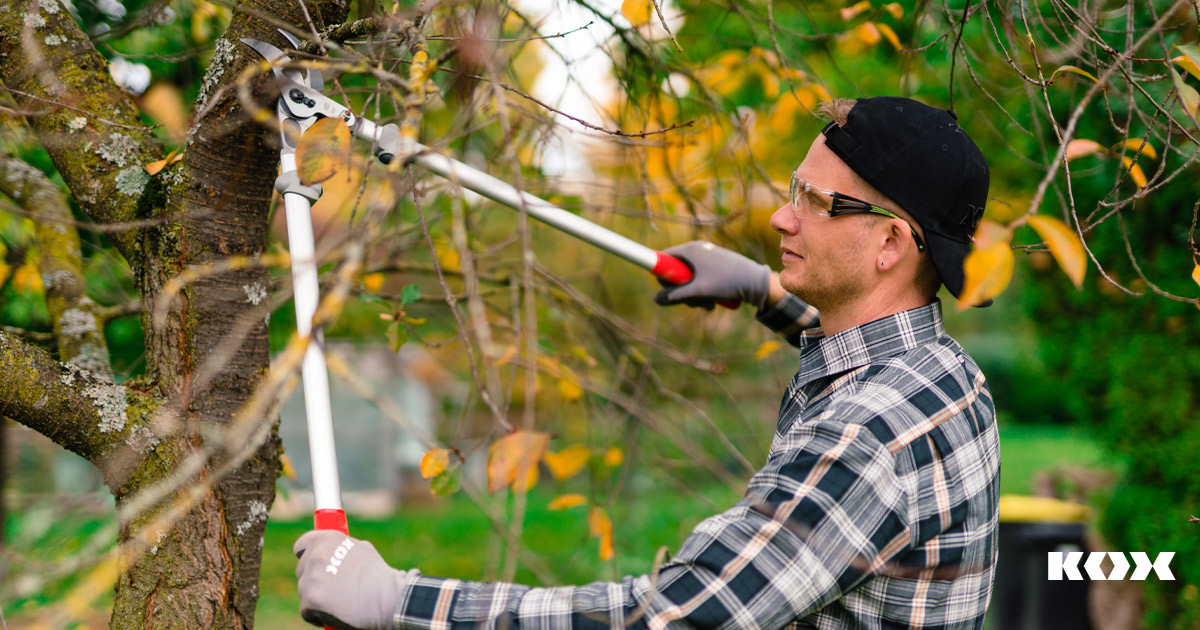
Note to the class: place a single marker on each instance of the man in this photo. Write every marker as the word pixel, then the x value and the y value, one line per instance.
pixel 877 505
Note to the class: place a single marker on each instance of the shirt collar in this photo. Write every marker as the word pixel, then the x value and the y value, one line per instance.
pixel 822 356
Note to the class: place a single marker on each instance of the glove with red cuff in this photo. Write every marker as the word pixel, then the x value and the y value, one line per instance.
pixel 344 583
pixel 719 275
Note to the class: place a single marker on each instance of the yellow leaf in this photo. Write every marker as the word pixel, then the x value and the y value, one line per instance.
pixel 1064 244
pixel 1196 273
pixel 766 350
pixel 723 79
pixel 569 388
pixel 154 167
pixel 434 462
pixel 636 11
pixel 1190 60
pixel 285 463
pixel 448 257
pixel 1073 70
pixel 1134 144
pixel 614 457
pixel 601 527
pixel 895 9
pixel 567 501
pixel 987 269
pixel 163 104
pixel 27 279
pixel 4 271
pixel 770 81
pixel 867 33
pixel 890 35
pixel 1186 63
pixel 565 463
pixel 850 12
pixel 989 233
pixel 1079 147
pixel 323 151
pixel 201 14
pixel 373 282
pixel 1135 171
pixel 790 108
pixel 513 460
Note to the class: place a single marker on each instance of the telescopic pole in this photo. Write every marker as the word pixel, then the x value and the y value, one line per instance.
pixel 298 200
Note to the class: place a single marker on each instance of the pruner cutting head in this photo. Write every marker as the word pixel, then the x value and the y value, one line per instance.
pixel 300 88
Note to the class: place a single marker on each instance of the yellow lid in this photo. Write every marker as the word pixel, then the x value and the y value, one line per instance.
pixel 1015 508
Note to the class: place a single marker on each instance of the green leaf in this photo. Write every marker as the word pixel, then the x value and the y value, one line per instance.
pixel 397 336
pixel 446 482
pixel 1187 94
pixel 409 295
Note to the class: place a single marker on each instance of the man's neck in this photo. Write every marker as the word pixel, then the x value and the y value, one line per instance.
pixel 872 305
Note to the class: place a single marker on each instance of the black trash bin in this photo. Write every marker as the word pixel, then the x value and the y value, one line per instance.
pixel 1023 598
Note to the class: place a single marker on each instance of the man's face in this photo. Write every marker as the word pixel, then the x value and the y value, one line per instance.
pixel 825 260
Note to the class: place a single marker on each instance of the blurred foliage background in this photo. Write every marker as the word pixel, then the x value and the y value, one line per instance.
pixel 691 132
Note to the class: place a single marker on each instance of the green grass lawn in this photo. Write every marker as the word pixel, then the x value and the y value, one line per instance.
pixel 1027 449
pixel 451 537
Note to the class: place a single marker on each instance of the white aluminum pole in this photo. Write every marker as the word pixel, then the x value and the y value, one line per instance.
pixel 306 294
pixel 662 265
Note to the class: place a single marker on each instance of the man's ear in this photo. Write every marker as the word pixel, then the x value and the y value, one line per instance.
pixel 890 240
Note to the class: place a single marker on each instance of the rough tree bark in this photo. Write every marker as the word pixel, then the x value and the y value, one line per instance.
pixel 205 358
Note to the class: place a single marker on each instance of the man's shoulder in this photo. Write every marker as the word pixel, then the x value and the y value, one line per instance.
pixel 912 393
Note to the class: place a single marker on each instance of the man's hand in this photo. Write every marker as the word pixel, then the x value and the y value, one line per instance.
pixel 719 275
pixel 344 583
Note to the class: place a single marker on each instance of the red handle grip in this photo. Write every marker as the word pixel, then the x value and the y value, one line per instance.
pixel 671 269
pixel 334 520
pixel 331 519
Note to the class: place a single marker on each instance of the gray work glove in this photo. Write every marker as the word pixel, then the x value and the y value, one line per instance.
pixel 345 584
pixel 719 275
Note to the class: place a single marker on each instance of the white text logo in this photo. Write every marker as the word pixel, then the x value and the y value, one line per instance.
pixel 339 554
pixel 1068 564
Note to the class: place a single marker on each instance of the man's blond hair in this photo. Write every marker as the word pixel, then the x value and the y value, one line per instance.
pixel 836 110
pixel 927 278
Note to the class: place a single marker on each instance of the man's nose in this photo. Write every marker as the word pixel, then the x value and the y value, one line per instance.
pixel 784 219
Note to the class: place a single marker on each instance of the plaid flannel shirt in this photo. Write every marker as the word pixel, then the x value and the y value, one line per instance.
pixel 876 507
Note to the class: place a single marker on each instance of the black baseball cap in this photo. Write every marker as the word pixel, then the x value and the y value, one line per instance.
pixel 920 158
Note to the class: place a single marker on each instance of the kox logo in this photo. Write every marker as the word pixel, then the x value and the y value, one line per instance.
pixel 1068 563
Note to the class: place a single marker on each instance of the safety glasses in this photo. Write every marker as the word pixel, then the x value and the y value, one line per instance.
pixel 802 195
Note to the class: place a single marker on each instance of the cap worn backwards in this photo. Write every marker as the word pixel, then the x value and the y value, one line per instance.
pixel 920 158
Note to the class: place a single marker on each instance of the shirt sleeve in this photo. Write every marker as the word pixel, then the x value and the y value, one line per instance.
pixel 790 317
pixel 816 521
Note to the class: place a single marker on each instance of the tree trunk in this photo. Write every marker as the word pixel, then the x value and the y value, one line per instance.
pixel 208 355
pixel 3 475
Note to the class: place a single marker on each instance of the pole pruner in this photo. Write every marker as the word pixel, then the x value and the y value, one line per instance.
pixel 299 106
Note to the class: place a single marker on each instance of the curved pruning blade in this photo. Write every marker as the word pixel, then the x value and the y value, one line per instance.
pixel 313 76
